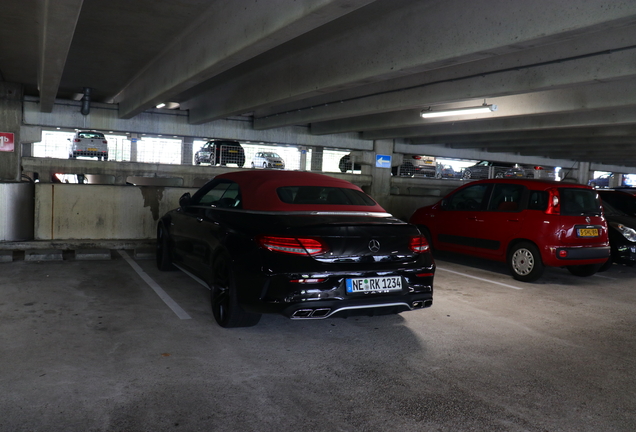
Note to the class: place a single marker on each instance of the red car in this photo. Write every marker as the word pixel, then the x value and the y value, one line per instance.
pixel 529 224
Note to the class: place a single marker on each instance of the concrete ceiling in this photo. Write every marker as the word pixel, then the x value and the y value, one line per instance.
pixel 561 72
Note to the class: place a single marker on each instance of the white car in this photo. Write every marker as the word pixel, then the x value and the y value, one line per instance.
pixel 89 144
pixel 268 160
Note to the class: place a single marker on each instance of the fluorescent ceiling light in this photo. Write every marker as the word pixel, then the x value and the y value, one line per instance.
pixel 161 105
pixel 459 111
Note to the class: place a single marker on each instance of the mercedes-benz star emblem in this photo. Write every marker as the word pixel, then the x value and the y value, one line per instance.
pixel 374 245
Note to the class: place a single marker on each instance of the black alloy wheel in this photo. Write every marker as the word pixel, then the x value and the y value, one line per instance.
pixel 164 262
pixel 524 261
pixel 225 308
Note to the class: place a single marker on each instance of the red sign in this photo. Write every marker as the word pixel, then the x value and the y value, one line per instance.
pixel 6 142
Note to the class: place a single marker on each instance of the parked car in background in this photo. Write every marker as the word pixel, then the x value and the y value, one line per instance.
pixel 602 181
pixel 445 171
pixel 88 144
pixel 268 160
pixel 416 165
pixel 622 236
pixel 529 224
pixel 482 169
pixel 345 164
pixel 301 244
pixel 622 199
pixel 221 152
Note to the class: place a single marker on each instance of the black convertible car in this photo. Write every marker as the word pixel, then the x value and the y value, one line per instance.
pixel 301 244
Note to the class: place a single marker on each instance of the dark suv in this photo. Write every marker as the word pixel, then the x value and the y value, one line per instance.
pixel 529 224
pixel 220 152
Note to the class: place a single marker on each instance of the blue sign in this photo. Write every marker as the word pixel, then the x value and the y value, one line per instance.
pixel 383 161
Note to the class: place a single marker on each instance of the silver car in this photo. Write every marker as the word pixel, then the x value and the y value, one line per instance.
pixel 268 160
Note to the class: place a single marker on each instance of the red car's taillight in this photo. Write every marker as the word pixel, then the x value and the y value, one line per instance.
pixel 292 245
pixel 554 202
pixel 418 244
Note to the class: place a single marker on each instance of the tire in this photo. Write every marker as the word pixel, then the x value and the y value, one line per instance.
pixel 224 300
pixel 524 261
pixel 606 265
pixel 164 260
pixel 584 270
pixel 467 174
pixel 438 175
pixel 499 175
pixel 253 166
pixel 264 165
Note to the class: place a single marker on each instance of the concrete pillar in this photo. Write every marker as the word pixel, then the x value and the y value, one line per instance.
pixel 10 122
pixel 187 151
pixel 616 180
pixel 381 186
pixel 133 146
pixel 316 159
pixel 583 174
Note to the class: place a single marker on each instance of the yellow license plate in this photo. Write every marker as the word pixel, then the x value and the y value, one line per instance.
pixel 588 232
pixel 91 149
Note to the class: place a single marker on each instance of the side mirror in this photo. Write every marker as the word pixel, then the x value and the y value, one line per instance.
pixel 185 200
pixel 444 204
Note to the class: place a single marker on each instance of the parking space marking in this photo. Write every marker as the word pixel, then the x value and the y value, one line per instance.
pixel 605 277
pixel 155 286
pixel 478 278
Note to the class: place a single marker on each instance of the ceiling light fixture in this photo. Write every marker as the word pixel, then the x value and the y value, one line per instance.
pixel 161 105
pixel 485 108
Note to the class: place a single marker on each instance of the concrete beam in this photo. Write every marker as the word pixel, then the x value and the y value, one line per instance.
pixel 58 20
pixel 554 144
pixel 104 117
pixel 540 122
pixel 614 94
pixel 339 101
pixel 477 140
pixel 227 34
pixel 495 86
pixel 396 38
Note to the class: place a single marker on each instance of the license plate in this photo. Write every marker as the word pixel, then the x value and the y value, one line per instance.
pixel 374 284
pixel 588 232
pixel 232 151
pixel 91 149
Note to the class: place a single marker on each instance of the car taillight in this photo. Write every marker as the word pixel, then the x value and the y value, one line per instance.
pixel 105 142
pixel 417 157
pixel 554 202
pixel 418 244
pixel 292 245
pixel 77 140
pixel 538 168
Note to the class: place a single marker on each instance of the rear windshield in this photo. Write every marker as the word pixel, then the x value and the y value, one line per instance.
pixel 577 202
pixel 90 135
pixel 323 195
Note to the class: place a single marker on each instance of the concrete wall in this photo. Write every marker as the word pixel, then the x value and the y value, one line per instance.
pixel 112 212
pixel 75 211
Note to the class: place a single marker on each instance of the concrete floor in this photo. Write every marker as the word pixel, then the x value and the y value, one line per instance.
pixel 90 346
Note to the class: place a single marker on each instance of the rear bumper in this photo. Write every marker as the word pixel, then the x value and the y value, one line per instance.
pixel 278 294
pixel 558 256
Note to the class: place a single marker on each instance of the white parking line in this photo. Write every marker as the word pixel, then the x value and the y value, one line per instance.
pixel 156 288
pixel 478 278
pixel 605 277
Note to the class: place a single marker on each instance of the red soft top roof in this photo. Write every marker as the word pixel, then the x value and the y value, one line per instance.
pixel 258 190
